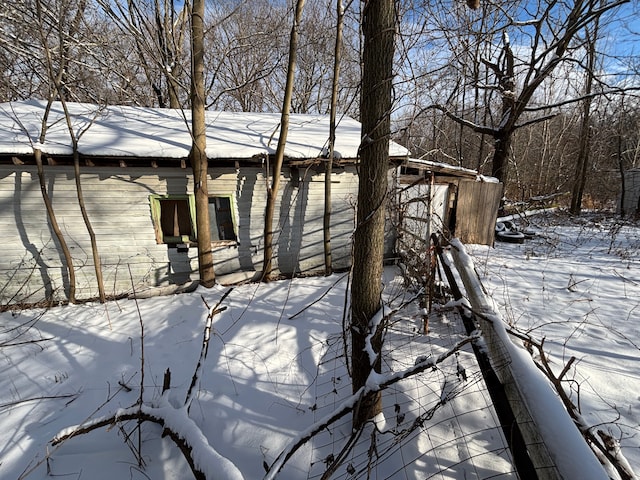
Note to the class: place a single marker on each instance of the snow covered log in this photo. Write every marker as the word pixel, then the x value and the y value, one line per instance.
pixel 553 441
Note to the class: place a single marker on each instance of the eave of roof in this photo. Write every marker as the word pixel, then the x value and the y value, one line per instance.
pixel 439 168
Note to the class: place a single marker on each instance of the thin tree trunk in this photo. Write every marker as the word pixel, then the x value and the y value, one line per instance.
pixel 167 28
pixel 580 179
pixel 379 30
pixel 272 189
pixel 57 80
pixel 198 156
pixel 37 154
pixel 85 216
pixel 623 191
pixel 328 267
pixel 83 209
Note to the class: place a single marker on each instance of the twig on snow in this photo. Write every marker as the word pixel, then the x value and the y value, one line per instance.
pixel 206 335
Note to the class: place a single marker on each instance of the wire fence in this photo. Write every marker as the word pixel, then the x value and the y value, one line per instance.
pixel 439 424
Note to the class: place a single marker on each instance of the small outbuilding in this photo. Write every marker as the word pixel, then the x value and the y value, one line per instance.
pixel 630 199
pixel 457 201
pixel 138 191
pixel 445 200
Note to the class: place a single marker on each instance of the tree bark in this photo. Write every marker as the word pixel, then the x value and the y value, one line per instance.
pixel 375 106
pixel 64 60
pixel 198 156
pixel 502 137
pixel 57 81
pixel 272 189
pixel 37 154
pixel 500 161
pixel 582 161
pixel 97 264
pixel 328 267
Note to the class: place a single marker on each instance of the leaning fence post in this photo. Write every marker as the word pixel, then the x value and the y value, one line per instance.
pixel 553 441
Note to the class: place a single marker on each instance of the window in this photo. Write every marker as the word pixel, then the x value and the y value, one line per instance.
pixel 221 219
pixel 173 218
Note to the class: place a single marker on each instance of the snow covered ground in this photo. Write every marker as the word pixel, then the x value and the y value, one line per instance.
pixel 576 285
pixel 275 366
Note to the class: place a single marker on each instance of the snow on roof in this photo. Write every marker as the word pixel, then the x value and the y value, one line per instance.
pixel 122 131
pixel 440 167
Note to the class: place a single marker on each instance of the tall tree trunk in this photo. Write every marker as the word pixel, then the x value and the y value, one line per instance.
pixel 328 173
pixel 37 153
pixel 59 83
pixel 502 137
pixel 500 161
pixel 198 156
pixel 97 264
pixel 375 107
pixel 623 190
pixel 580 178
pixel 57 79
pixel 272 189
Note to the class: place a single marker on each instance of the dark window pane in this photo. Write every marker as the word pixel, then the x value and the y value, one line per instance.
pixel 221 219
pixel 175 218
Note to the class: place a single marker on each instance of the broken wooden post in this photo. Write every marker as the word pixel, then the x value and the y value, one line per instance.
pixel 501 405
pixel 553 441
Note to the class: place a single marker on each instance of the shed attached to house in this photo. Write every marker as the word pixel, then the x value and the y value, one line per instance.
pixel 138 189
pixel 453 200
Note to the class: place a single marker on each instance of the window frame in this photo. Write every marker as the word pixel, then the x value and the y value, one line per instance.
pixel 155 201
pixel 234 222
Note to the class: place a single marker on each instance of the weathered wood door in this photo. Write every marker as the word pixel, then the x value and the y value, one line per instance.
pixel 476 211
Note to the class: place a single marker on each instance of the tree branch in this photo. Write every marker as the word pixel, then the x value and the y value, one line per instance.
pixel 178 426
pixel 376 384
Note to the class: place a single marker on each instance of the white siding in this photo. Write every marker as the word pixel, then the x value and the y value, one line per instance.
pixel 300 234
pixel 118 206
pixel 117 200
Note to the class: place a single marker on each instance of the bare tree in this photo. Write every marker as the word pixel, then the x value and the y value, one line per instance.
pixel 273 187
pixel 328 269
pixel 582 161
pixel 68 37
pixel 534 44
pixel 379 26
pixel 198 155
pixel 244 55
pixel 157 30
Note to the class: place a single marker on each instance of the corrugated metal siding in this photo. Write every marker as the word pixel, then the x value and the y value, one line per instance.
pixel 117 200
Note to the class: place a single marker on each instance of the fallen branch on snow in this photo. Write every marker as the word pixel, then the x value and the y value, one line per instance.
pixel 205 462
pixel 609 448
